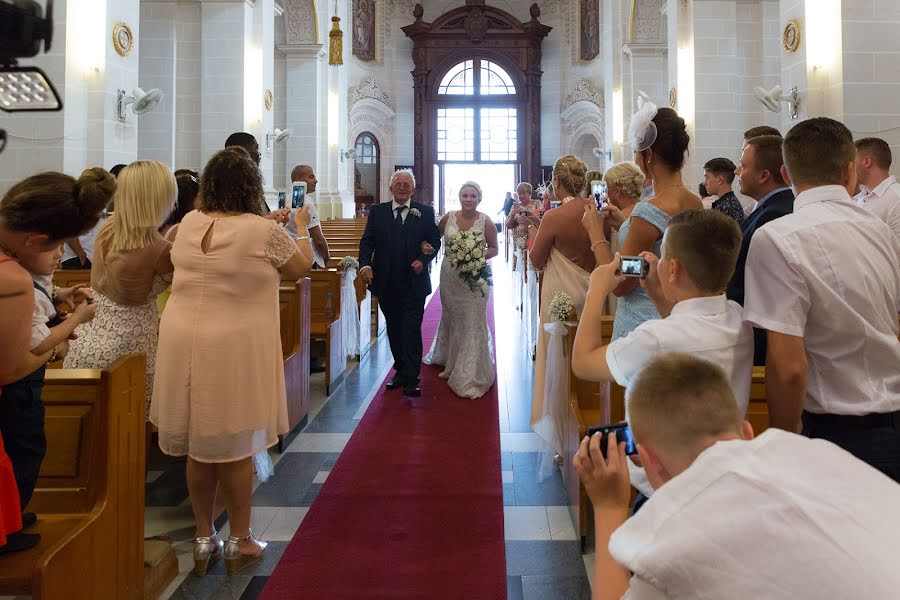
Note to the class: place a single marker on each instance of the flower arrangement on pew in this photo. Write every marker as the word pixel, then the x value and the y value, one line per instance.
pixel 468 256
pixel 348 263
pixel 561 308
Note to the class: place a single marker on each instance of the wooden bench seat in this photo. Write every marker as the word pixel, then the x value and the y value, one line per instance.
pixel 90 493
pixel 294 302
pixel 324 317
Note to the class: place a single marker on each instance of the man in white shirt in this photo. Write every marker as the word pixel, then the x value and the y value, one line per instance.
pixel 780 517
pixel 319 243
pixel 880 192
pixel 687 285
pixel 824 282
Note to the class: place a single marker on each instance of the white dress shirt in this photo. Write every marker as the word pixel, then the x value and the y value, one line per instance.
pixel 830 273
pixel 314 221
pixel 404 213
pixel 781 517
pixel 43 311
pixel 883 202
pixel 710 328
pixel 87 243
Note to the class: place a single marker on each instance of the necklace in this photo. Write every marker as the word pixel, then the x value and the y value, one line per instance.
pixel 566 200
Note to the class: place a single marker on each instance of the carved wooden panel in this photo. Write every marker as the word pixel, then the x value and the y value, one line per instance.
pixel 468 32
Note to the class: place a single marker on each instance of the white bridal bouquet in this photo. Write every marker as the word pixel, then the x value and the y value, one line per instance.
pixel 468 255
pixel 348 262
pixel 561 307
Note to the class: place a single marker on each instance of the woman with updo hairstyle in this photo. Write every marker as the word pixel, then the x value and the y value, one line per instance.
pixel 463 344
pixel 562 249
pixel 660 141
pixel 36 214
pixel 219 395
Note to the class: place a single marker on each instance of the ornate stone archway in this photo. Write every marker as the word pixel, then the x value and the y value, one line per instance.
pixel 476 31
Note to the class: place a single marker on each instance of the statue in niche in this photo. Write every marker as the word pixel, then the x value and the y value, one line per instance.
pixel 364 29
pixel 590 29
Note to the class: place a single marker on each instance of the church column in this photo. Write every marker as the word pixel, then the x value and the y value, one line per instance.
pixel 615 22
pixel 335 173
pixel 156 131
pixel 304 65
pixel 95 72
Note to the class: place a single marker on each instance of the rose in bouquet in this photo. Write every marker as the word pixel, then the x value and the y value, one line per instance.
pixel 467 252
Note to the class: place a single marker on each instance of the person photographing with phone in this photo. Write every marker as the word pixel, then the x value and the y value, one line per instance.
pixel 304 183
pixel 780 517
pixel 687 287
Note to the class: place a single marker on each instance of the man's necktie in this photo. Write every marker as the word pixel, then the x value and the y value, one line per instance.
pixel 399 219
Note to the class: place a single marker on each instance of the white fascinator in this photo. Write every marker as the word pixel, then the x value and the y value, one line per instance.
pixel 642 131
pixel 542 189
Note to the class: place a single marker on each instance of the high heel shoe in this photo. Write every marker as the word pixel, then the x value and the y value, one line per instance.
pixel 235 561
pixel 207 550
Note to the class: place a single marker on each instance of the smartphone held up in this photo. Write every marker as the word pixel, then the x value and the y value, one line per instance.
pixel 598 190
pixel 623 434
pixel 298 194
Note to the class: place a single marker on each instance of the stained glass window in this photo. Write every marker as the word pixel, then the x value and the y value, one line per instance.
pixel 495 80
pixel 460 80
pixel 499 134
pixel 366 152
pixel 456 134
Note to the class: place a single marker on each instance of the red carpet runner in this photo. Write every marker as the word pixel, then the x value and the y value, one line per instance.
pixel 414 506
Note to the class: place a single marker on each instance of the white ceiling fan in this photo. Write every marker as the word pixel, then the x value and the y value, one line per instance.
pixel 141 101
pixel 773 98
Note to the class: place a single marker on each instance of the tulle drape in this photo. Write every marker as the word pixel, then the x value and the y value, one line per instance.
pixel 556 394
pixel 531 309
pixel 349 313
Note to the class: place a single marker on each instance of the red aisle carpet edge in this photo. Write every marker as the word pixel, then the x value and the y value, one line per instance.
pixel 414 506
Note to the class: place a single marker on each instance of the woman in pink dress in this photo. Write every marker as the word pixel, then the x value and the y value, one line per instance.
pixel 219 395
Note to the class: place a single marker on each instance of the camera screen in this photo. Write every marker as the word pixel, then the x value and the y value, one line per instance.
pixel 598 189
pixel 632 266
pixel 298 196
pixel 281 199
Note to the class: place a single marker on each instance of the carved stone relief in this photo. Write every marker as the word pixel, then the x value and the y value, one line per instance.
pixel 368 88
pixel 648 21
pixel 300 22
pixel 584 91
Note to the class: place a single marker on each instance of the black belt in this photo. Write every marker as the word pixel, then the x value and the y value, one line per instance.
pixel 870 421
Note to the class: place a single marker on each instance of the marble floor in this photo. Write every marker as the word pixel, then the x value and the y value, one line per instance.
pixel 543 555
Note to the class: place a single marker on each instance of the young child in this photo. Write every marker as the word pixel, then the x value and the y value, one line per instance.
pixel 23 427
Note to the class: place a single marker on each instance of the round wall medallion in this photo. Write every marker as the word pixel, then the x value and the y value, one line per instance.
pixel 123 39
pixel 268 99
pixel 790 39
pixel 673 98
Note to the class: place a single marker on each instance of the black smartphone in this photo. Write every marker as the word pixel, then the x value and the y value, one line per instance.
pixel 298 194
pixel 634 266
pixel 282 199
pixel 598 189
pixel 623 434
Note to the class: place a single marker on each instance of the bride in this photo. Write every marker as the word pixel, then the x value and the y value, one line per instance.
pixel 463 343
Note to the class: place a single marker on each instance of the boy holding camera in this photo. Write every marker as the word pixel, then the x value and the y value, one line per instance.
pixel 687 285
pixel 778 517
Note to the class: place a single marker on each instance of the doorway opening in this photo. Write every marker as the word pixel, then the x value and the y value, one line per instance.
pixel 495 181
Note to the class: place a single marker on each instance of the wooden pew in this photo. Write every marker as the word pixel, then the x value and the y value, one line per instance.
pixel 90 494
pixel 68 278
pixel 294 312
pixel 325 322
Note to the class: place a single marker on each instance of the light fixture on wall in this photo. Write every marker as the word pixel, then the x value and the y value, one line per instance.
pixel 348 154
pixel 278 137
pixel 141 101
pixel 773 98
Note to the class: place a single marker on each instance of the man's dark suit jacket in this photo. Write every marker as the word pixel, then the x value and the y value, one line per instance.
pixel 777 206
pixel 379 235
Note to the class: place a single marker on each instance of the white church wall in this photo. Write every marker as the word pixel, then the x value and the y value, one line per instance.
pixel 157 69
pixel 187 86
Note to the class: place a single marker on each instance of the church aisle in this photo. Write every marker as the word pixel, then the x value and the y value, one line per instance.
pixel 543 559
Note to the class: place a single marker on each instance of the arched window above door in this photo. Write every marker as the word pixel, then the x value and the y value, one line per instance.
pixel 366 150
pixel 477 78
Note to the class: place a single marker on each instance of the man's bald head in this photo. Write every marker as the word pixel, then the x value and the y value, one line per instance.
pixel 305 173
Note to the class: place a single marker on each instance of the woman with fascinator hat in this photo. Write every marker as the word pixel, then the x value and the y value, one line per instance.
pixel 660 141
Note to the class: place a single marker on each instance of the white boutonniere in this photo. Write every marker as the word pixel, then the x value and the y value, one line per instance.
pixel 415 212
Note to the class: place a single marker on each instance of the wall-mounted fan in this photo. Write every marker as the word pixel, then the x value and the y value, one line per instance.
pixel 141 101
pixel 601 154
pixel 773 98
pixel 279 136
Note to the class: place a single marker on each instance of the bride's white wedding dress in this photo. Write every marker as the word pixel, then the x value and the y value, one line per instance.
pixel 463 342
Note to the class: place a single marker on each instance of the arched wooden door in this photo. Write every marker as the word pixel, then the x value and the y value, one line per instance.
pixel 483 35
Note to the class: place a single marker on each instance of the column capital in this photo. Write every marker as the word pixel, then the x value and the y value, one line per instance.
pixel 301 50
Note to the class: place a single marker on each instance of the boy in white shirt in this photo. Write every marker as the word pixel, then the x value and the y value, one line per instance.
pixel 22 417
pixel 780 517
pixel 687 284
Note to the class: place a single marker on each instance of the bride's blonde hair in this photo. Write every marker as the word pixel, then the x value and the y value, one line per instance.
pixel 570 172
pixel 470 184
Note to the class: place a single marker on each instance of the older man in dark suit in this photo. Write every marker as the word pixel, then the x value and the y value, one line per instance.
pixel 761 179
pixel 394 265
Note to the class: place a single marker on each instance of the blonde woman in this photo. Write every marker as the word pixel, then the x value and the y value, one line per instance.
pixel 463 342
pixel 563 250
pixel 131 267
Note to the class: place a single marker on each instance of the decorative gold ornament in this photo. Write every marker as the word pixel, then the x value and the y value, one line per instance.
pixel 673 98
pixel 268 99
pixel 123 39
pixel 790 39
pixel 335 43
